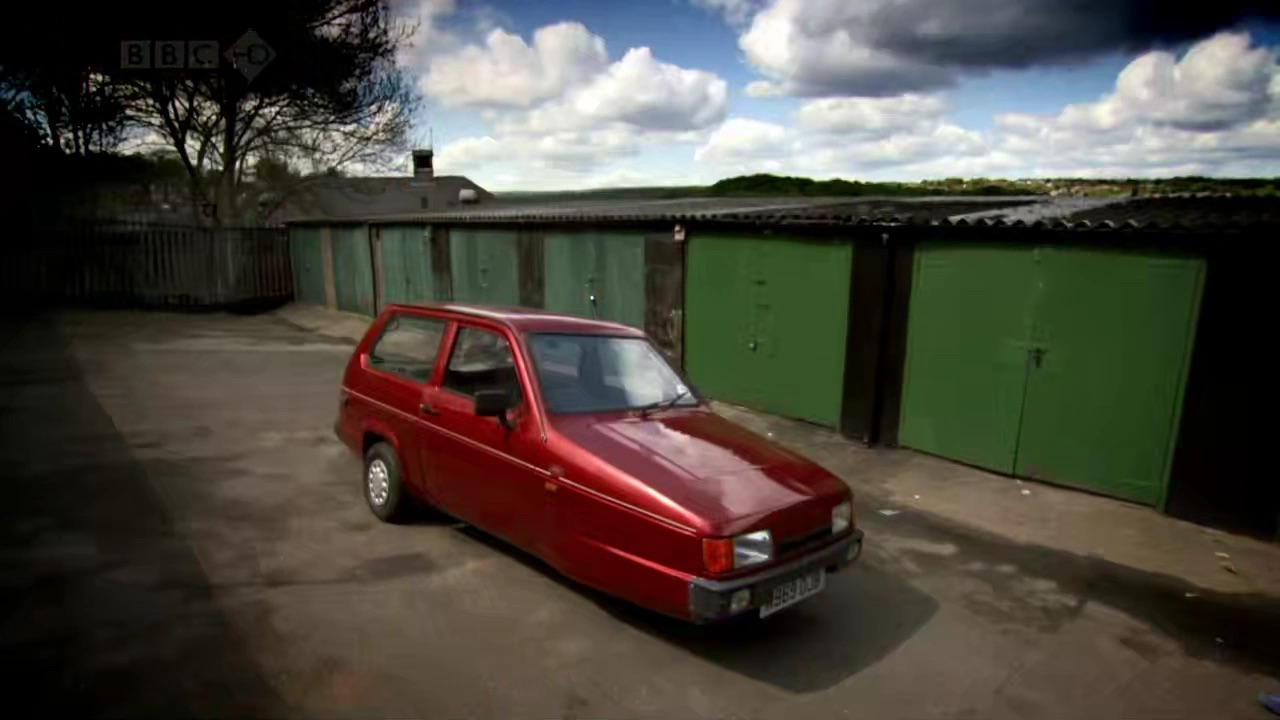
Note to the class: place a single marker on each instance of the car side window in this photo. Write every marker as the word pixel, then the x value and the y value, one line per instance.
pixel 481 360
pixel 408 346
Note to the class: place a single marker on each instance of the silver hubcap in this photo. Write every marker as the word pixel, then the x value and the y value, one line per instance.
pixel 378 481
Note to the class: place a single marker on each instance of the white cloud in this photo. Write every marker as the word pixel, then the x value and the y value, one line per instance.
pixel 469 152
pixel 735 11
pixel 507 72
pixel 556 111
pixel 740 139
pixel 557 107
pixel 817 48
pixel 870 116
pixel 568 150
pixel 567 161
pixel 637 90
pixel 1221 82
pixel 943 141
pixel 561 150
pixel 1215 110
pixel 844 136
pixel 1217 107
pixel 423 18
pixel 763 89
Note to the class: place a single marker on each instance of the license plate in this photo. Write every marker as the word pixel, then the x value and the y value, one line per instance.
pixel 793 591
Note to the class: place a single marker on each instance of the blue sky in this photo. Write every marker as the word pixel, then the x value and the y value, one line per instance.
pixel 573 93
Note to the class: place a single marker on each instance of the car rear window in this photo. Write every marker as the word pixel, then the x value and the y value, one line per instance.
pixel 408 346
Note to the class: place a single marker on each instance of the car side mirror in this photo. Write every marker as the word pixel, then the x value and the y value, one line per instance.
pixel 493 403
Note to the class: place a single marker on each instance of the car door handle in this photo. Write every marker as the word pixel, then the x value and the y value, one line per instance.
pixel 426 409
pixel 554 473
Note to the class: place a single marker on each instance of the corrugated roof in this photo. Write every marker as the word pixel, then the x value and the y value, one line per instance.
pixel 1044 210
pixel 837 210
pixel 1112 213
pixel 1191 212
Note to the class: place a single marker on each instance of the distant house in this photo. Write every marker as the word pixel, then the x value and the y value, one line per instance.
pixel 341 198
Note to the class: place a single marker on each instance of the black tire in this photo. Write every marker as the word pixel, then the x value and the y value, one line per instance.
pixel 395 505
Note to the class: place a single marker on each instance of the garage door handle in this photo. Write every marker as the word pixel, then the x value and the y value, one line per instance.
pixel 1037 355
pixel 426 409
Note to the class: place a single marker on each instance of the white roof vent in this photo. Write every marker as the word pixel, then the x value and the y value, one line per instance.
pixel 467 195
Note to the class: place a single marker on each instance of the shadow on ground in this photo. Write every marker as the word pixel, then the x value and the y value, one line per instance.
pixel 106 610
pixel 1043 588
pixel 868 611
pixel 862 617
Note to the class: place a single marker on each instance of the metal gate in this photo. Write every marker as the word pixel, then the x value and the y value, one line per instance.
pixel 128 264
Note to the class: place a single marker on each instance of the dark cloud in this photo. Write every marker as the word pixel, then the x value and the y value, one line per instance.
pixel 886 47
pixel 870 80
pixel 990 34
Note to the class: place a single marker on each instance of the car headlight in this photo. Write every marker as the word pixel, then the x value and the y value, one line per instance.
pixel 752 548
pixel 841 517
pixel 725 554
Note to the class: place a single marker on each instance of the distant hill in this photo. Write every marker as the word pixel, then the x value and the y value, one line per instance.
pixel 780 185
pixel 632 193
pixel 766 185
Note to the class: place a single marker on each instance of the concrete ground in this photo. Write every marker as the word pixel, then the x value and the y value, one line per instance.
pixel 183 536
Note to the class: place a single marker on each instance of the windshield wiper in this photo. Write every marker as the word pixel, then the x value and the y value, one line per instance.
pixel 644 410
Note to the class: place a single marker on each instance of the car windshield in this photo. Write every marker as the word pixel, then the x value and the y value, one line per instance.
pixel 600 373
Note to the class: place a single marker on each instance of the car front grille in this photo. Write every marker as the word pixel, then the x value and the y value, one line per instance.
pixel 799 543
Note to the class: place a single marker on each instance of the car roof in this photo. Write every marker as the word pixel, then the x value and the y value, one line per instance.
pixel 523 319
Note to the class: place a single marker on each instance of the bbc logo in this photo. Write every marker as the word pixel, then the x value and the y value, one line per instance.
pixel 169 55
pixel 250 55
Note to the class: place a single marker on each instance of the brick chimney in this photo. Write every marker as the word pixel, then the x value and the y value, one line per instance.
pixel 423 172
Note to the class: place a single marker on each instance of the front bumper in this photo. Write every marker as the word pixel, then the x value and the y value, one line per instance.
pixel 709 599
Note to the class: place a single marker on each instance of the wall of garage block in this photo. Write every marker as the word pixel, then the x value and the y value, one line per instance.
pixel 1048 354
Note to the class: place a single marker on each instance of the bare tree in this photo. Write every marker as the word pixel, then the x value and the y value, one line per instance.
pixel 333 95
pixel 66 103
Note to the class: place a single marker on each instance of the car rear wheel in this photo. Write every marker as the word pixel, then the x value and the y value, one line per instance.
pixel 383 489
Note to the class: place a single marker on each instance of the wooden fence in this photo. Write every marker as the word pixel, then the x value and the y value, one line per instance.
pixel 119 264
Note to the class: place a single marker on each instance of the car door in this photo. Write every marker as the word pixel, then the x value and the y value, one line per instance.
pixel 487 472
pixel 400 366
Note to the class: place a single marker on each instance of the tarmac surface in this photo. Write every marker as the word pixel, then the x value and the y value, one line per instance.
pixel 182 535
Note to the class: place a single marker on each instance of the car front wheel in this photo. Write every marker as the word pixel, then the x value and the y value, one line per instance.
pixel 383 489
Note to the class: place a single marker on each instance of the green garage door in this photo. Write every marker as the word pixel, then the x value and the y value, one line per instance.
pixel 1114 331
pixel 765 323
pixel 606 266
pixel 484 266
pixel 970 321
pixel 1061 364
pixel 352 268
pixel 307 256
pixel 405 263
